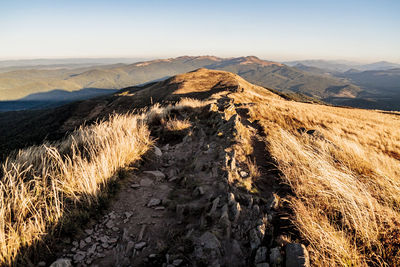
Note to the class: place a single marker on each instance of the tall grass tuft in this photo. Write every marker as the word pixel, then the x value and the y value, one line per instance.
pixel 41 184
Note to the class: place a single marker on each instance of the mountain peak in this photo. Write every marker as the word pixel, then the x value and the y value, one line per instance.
pixel 255 60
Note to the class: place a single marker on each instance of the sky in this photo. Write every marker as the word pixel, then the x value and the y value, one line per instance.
pixel 366 31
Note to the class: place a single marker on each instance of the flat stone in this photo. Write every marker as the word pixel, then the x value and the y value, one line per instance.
pixel 79 257
pixel 157 174
pixel 62 263
pixel 297 255
pixel 172 179
pixel 89 231
pixel 140 245
pixel 110 224
pixel 159 208
pixel 92 249
pixel 154 202
pixel 210 241
pixel 157 151
pixel 135 186
pixel 146 182
pixel 261 255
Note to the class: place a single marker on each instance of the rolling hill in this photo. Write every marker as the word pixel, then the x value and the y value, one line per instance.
pixel 20 83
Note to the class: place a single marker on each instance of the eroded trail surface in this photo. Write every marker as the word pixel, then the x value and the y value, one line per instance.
pixel 180 209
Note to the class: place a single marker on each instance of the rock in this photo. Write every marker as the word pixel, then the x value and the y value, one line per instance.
pixel 156 174
pixel 236 211
pixel 113 240
pixel 88 239
pixel 146 182
pixel 261 255
pixel 154 202
pixel 159 208
pixel 141 233
pixel 129 248
pixel 41 264
pixel 243 174
pixel 62 263
pixel 172 179
pixel 255 241
pixel 82 244
pixel 79 257
pixel 135 186
pixel 199 191
pixel 177 262
pixel 104 239
pixel 75 243
pixel 128 214
pixel 157 151
pixel 89 231
pixel 275 257
pixel 172 172
pixel 140 245
pixel 297 255
pixel 263 264
pixel 231 199
pixel 110 224
pixel 214 206
pixel 210 241
pixel 92 249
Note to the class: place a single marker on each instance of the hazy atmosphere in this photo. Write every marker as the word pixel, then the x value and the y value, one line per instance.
pixel 277 30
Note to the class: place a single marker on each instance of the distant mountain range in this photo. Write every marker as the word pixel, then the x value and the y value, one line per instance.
pixel 343 66
pixel 334 82
pixel 20 83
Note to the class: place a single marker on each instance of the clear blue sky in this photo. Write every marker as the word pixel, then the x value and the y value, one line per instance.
pixel 279 30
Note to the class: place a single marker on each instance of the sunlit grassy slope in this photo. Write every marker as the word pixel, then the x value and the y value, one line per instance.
pixel 345 177
pixel 42 184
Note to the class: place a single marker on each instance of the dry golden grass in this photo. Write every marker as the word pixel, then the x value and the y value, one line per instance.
pixel 345 179
pixel 40 184
pixel 177 125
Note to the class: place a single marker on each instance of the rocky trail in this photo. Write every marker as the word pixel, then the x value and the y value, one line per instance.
pixel 181 209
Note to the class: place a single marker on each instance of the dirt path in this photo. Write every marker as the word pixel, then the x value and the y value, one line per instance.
pixel 179 209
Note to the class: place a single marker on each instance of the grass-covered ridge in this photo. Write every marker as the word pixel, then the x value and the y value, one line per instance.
pixel 344 175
